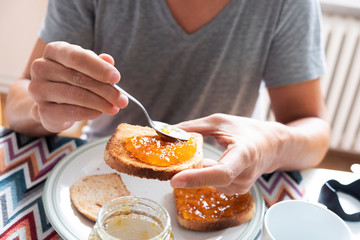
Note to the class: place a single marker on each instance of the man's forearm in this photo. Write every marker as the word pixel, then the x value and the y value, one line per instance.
pixel 307 144
pixel 18 111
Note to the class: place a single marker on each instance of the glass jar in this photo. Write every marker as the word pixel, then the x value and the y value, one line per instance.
pixel 132 218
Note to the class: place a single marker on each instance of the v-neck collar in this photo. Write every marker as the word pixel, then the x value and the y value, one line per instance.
pixel 226 12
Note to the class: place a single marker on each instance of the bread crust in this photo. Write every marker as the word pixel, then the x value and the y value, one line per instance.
pixel 120 159
pixel 219 223
pixel 90 193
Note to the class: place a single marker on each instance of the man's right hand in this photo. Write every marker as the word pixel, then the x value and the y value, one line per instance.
pixel 69 84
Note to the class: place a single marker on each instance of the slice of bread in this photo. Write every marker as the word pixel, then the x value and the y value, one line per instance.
pixel 90 193
pixel 120 159
pixel 202 209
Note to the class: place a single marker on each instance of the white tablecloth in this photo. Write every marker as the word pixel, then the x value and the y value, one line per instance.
pixel 313 180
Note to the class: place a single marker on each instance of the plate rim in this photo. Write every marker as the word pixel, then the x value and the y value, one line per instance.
pixel 48 188
pixel 66 233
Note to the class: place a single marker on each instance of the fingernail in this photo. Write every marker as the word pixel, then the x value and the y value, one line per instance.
pixel 115 77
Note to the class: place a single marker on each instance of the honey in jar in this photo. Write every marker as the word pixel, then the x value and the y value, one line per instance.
pixel 157 151
pixel 128 218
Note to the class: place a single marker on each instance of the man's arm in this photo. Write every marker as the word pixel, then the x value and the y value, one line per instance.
pixel 301 107
pixel 298 141
pixel 19 104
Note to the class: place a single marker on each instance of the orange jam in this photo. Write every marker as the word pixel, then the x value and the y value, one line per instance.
pixel 156 151
pixel 208 204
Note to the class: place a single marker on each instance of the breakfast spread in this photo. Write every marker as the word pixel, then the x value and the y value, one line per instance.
pixel 141 152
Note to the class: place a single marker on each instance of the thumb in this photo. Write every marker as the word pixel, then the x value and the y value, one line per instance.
pixel 207 126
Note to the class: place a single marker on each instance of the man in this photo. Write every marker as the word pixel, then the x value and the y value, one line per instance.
pixel 184 60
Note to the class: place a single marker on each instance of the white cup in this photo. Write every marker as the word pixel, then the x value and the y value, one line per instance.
pixel 299 220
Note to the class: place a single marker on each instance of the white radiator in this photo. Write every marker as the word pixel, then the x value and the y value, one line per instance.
pixel 341 84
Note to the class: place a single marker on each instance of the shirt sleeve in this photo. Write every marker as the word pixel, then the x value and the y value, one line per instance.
pixel 296 53
pixel 69 20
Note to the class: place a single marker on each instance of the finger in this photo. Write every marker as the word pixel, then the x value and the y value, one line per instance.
pixel 234 189
pixel 221 174
pixel 207 162
pixel 213 125
pixel 44 70
pixel 210 176
pixel 65 112
pixel 61 93
pixel 108 58
pixel 82 60
pixel 243 182
pixel 200 125
pixel 237 186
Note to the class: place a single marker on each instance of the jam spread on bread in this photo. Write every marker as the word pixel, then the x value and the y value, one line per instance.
pixel 208 204
pixel 156 151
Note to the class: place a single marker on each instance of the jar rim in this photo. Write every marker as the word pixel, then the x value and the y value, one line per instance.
pixel 133 199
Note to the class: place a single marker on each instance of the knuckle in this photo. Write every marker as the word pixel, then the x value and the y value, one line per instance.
pixel 50 48
pixel 217 118
pixel 75 56
pixel 248 152
pixel 36 67
pixel 227 176
pixel 74 93
pixel 72 113
pixel 113 95
pixel 251 153
pixel 77 78
pixel 43 109
pixel 35 90
pixel 32 88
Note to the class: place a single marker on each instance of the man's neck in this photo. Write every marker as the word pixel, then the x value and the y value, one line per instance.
pixel 192 15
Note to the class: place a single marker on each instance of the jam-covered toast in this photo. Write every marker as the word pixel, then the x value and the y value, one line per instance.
pixel 118 157
pixel 207 209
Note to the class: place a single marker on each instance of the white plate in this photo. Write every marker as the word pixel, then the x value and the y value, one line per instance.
pixel 88 160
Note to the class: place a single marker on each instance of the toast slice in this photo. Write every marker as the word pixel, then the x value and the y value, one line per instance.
pixel 90 193
pixel 207 209
pixel 120 159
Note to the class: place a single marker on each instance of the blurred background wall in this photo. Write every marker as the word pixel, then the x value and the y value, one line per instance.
pixel 20 21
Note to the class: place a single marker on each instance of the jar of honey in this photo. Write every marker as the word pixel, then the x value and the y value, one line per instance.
pixel 132 217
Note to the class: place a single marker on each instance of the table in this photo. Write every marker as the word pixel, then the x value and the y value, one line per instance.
pixel 26 162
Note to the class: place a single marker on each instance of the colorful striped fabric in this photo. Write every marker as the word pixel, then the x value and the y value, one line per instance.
pixel 25 163
pixel 279 186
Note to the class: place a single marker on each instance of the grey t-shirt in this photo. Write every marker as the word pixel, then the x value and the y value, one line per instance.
pixel 179 76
